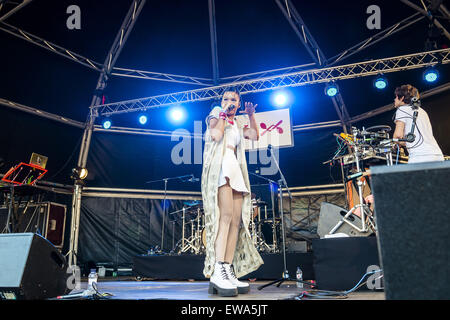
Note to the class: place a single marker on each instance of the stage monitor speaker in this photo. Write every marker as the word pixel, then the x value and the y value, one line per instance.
pixel 31 268
pixel 412 210
pixel 331 214
pixel 340 263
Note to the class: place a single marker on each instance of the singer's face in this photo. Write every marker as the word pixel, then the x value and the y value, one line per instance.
pixel 230 98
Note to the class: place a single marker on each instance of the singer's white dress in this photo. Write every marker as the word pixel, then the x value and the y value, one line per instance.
pixel 215 157
pixel 230 167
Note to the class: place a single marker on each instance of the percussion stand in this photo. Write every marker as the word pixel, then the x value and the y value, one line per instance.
pixel 272 185
pixel 164 202
pixel 281 183
pixel 364 210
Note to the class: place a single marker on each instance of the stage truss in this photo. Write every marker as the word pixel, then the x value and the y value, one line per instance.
pixel 295 79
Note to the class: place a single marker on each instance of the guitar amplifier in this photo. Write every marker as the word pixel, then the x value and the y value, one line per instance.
pixel 45 218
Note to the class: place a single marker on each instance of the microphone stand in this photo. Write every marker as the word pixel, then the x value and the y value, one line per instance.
pixel 281 182
pixel 164 202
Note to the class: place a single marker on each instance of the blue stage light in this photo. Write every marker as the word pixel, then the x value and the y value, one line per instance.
pixel 331 90
pixel 280 99
pixel 142 119
pixel 107 123
pixel 380 83
pixel 177 114
pixel 431 74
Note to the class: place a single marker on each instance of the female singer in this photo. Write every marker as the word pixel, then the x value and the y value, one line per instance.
pixel 226 195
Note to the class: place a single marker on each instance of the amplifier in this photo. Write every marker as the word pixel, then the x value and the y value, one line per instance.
pixel 45 218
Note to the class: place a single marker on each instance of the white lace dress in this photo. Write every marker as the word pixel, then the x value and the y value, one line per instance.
pixel 230 165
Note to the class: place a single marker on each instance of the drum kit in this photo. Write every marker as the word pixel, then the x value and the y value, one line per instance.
pixel 265 230
pixel 367 146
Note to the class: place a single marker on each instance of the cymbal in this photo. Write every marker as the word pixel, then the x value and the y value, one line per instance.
pixel 193 203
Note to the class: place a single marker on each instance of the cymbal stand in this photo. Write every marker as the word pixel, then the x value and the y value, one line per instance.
pixel 364 209
pixel 164 203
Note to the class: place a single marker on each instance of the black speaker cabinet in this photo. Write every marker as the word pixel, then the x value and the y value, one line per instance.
pixel 412 209
pixel 30 268
pixel 339 263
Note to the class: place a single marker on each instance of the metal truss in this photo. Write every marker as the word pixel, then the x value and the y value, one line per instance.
pixel 110 60
pixel 299 27
pixel 391 106
pixel 302 31
pixel 267 73
pixel 90 63
pixel 149 75
pixel 295 79
pixel 213 40
pixel 427 13
pixel 41 113
pixel 50 46
pixel 375 39
pixel 19 5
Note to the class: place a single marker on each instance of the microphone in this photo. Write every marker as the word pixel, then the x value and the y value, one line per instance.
pixel 230 107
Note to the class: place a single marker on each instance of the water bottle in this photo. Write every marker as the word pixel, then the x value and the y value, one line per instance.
pixel 299 276
pixel 92 278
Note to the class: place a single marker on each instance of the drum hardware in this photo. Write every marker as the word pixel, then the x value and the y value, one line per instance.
pixel 373 142
pixel 194 243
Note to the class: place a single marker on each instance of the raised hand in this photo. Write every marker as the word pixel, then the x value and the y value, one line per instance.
pixel 249 108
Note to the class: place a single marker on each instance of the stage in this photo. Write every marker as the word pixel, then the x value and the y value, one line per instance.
pixel 128 289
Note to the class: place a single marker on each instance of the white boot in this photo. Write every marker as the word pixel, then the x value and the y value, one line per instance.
pixel 220 282
pixel 242 287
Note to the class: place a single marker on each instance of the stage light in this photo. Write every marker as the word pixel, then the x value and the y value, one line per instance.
pixel 431 74
pixel 331 89
pixel 106 123
pixel 142 119
pixel 177 114
pixel 79 173
pixel 280 99
pixel 380 83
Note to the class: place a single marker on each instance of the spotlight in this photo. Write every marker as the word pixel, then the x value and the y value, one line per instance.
pixel 177 114
pixel 142 119
pixel 79 173
pixel 431 74
pixel 280 99
pixel 331 89
pixel 106 123
pixel 380 83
